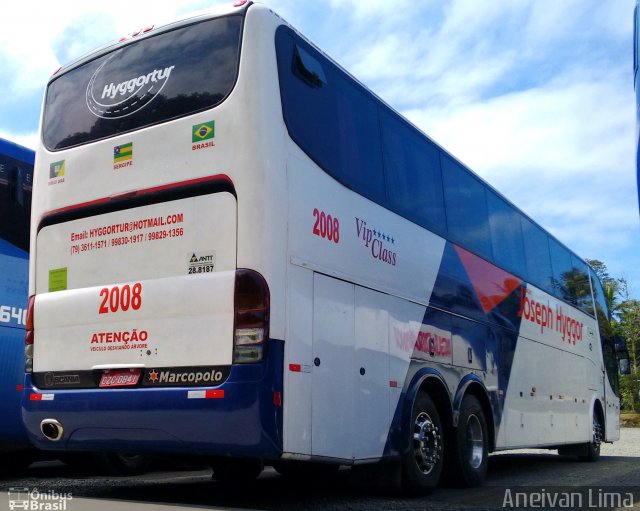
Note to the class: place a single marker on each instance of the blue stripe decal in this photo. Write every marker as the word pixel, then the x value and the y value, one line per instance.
pixel 489 337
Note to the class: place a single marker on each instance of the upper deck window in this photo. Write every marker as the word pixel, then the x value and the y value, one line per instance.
pixel 168 75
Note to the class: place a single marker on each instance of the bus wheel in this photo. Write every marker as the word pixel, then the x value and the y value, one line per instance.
pixel 231 469
pixel 423 461
pixel 593 447
pixel 467 453
pixel 122 463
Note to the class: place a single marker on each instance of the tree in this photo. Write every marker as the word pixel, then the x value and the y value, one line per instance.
pixel 624 320
pixel 615 289
pixel 630 330
pixel 599 268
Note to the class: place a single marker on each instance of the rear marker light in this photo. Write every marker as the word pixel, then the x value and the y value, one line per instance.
pixel 251 317
pixel 249 336
pixel 277 398
pixel 393 384
pixel 29 335
pixel 239 3
pixel 205 394
pixel 295 368
pixel 41 397
pixel 30 307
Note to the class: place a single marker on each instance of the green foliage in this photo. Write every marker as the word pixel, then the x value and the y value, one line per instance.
pixel 599 268
pixel 629 327
pixel 625 321
pixel 629 399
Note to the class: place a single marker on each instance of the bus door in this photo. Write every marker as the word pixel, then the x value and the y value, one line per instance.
pixel 350 381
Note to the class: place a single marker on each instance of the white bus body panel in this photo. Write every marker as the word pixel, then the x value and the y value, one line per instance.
pixel 187 314
pixel 384 324
pixel 553 379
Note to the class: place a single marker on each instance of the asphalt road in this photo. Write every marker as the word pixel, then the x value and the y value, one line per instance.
pixel 524 475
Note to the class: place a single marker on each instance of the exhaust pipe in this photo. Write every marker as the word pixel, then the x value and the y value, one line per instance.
pixel 51 429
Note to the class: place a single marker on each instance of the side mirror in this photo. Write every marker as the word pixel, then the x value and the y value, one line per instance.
pixel 622 355
pixel 624 367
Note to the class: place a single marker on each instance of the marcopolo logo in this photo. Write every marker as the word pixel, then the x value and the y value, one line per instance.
pixel 186 376
pixel 113 99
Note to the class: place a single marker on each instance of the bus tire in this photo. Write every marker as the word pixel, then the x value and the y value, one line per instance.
pixel 423 461
pixel 593 447
pixel 121 463
pixel 236 470
pixel 467 454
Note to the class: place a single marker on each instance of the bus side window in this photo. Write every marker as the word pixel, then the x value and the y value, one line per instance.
pixel 506 234
pixel 466 207
pixel 536 243
pixel 412 172
pixel 579 288
pixel 308 69
pixel 561 265
pixel 16 181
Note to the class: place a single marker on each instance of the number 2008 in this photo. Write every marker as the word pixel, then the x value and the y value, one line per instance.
pixel 120 298
pixel 326 226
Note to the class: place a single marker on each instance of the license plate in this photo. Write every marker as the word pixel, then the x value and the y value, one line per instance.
pixel 120 378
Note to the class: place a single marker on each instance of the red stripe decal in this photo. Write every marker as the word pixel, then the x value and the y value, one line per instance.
pixel 491 284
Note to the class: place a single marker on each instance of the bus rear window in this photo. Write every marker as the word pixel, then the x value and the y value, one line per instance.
pixel 153 80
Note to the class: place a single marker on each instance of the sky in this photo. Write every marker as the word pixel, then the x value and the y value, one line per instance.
pixel 536 96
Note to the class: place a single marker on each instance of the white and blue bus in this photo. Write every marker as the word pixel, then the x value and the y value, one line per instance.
pixel 240 252
pixel 16 175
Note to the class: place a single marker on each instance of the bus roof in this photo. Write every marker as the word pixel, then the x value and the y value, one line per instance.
pixel 16 151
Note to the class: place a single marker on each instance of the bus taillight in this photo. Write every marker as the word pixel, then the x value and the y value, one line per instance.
pixel 251 317
pixel 28 336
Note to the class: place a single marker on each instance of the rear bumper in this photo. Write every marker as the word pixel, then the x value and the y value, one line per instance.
pixel 241 421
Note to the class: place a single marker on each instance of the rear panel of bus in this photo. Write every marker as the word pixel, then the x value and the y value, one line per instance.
pixel 151 310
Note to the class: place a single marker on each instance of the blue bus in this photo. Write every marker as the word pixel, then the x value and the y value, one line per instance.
pixel 16 178
pixel 636 44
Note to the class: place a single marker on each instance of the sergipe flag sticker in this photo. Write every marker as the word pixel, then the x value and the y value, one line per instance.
pixel 122 153
pixel 204 131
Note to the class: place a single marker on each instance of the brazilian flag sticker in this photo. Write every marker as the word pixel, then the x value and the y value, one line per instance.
pixel 203 131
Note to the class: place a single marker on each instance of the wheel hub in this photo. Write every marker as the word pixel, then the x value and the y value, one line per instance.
pixel 427 444
pixel 475 442
pixel 597 432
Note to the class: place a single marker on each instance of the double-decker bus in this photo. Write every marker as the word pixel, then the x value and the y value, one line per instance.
pixel 240 252
pixel 16 177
